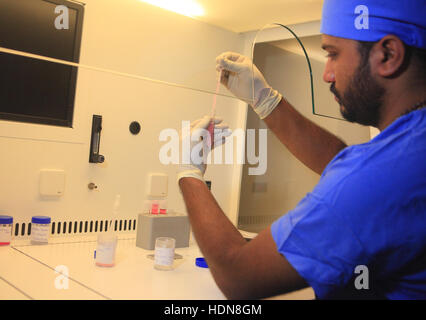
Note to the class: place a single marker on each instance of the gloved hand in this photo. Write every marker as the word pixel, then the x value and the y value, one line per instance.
pixel 196 146
pixel 237 76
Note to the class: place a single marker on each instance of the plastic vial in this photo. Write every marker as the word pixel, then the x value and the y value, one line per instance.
pixel 163 207
pixel 105 250
pixel 5 230
pixel 164 253
pixel 155 207
pixel 40 227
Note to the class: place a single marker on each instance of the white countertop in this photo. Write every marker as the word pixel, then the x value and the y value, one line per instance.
pixel 28 272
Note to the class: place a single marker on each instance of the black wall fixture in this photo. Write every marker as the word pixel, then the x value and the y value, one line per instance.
pixel 135 127
pixel 95 141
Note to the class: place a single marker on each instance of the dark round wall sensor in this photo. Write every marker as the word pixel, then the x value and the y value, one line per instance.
pixel 135 127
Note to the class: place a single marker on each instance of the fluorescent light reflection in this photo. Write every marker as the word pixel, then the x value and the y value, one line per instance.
pixel 188 8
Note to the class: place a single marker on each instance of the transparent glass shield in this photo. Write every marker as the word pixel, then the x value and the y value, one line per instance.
pixel 295 68
pixel 158 110
pixel 138 66
pixel 265 198
pixel 61 41
pixel 103 91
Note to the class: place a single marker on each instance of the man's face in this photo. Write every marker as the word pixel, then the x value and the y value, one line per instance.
pixel 355 89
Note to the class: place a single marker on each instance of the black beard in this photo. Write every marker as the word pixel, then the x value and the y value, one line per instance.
pixel 362 99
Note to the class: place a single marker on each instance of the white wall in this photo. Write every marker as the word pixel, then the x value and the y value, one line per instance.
pixel 287 179
pixel 133 37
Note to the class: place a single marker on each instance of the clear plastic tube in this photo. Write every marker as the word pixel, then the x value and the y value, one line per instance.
pixel 210 128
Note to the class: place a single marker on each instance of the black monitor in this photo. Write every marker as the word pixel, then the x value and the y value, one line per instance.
pixel 33 90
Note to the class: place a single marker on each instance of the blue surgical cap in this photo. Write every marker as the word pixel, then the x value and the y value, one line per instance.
pixel 371 20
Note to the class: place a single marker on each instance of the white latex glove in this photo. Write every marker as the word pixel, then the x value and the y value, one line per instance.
pixel 237 77
pixel 195 146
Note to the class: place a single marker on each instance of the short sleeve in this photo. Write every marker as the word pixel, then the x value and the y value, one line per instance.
pixel 319 244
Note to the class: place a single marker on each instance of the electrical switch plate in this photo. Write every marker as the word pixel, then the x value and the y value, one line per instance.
pixel 158 185
pixel 52 183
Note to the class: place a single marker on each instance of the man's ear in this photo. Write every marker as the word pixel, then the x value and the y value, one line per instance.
pixel 387 56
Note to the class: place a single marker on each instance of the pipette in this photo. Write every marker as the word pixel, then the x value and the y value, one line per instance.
pixel 115 210
pixel 210 128
pixel 107 242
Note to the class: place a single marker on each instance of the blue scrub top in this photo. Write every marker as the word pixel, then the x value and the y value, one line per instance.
pixel 368 209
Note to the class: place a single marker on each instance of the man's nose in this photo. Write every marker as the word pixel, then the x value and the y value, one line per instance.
pixel 328 75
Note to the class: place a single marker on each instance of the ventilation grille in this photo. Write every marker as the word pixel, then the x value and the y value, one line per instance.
pixel 79 227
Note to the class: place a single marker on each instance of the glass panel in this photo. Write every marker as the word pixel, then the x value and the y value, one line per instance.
pixel 289 54
pixel 265 198
pixel 102 91
pixel 127 37
pixel 160 108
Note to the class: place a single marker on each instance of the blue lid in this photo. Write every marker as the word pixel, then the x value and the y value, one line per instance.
pixel 6 219
pixel 201 262
pixel 40 220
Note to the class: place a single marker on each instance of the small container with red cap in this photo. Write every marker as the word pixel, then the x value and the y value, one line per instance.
pixel 5 230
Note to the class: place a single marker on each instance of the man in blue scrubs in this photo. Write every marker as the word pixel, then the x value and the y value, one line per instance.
pixel 366 218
